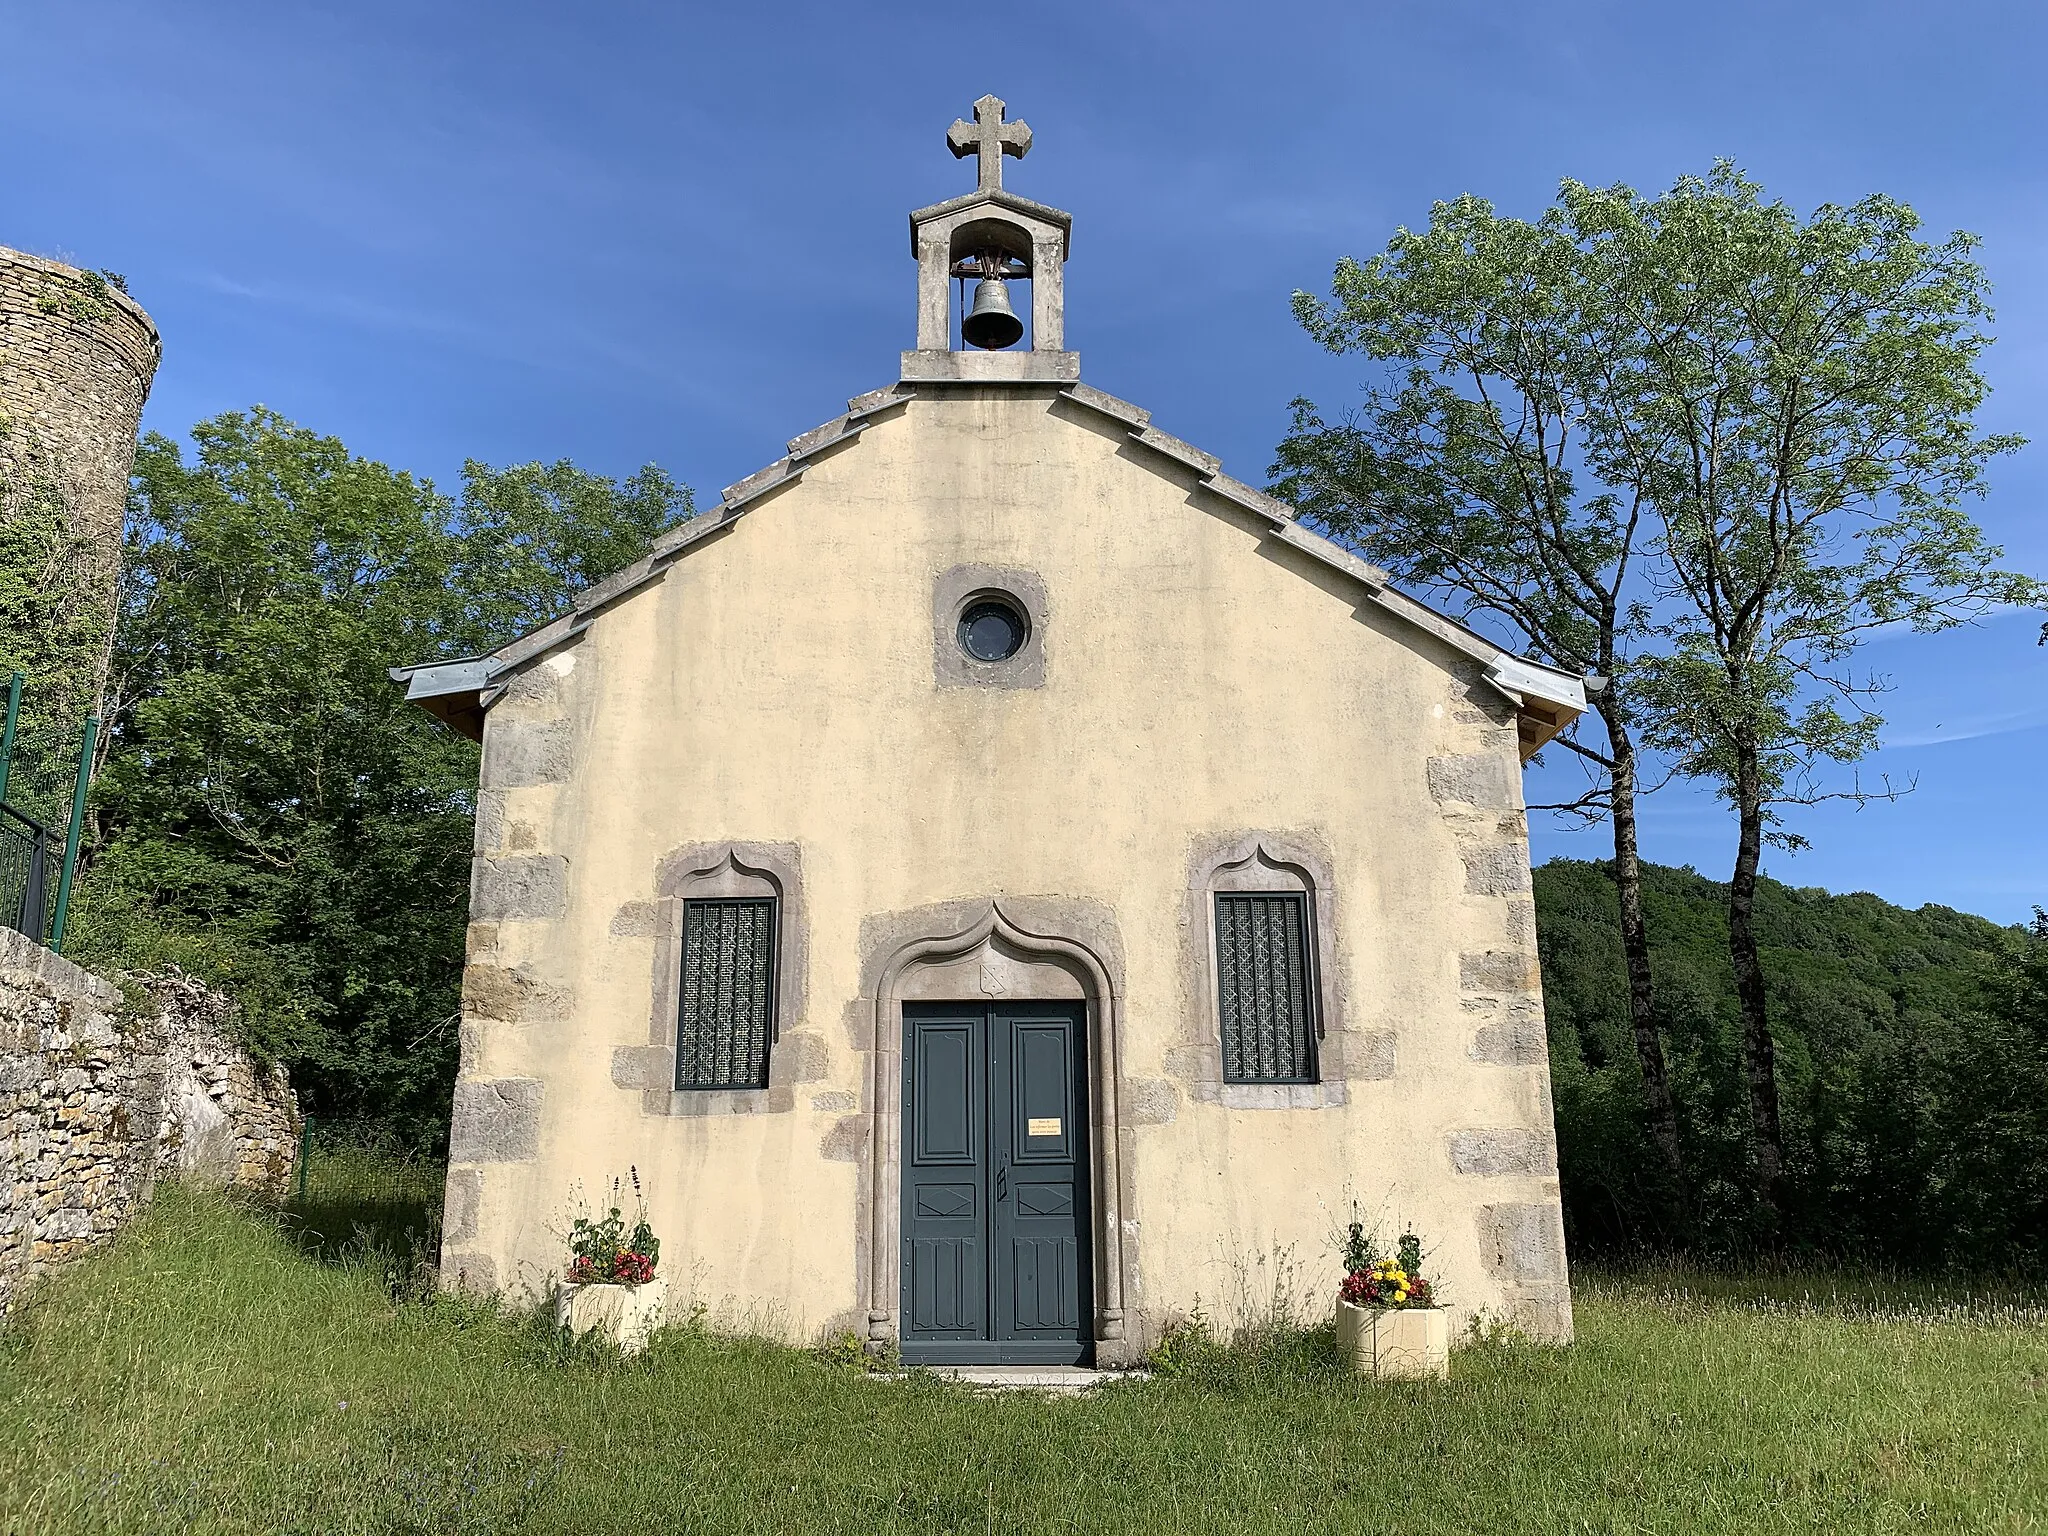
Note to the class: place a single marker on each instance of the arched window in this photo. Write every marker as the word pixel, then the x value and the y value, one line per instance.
pixel 1263 952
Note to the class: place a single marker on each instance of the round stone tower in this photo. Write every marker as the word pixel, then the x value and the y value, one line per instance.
pixel 76 359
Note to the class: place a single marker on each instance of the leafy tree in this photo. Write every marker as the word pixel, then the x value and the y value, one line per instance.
pixel 1803 393
pixel 272 814
pixel 1499 466
pixel 531 535
pixel 1693 444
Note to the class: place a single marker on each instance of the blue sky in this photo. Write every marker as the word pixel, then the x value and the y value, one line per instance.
pixel 676 233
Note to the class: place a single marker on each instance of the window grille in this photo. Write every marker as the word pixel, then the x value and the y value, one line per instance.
pixel 727 1016
pixel 1265 970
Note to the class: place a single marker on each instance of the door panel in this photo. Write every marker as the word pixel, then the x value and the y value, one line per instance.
pixel 996 1238
pixel 1042 1285
pixel 945 1176
pixel 1041 1231
pixel 1042 1088
pixel 947 1069
pixel 947 1284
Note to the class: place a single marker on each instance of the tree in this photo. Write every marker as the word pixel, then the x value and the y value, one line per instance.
pixel 1913 1062
pixel 1804 394
pixel 272 814
pixel 1499 465
pixel 1765 424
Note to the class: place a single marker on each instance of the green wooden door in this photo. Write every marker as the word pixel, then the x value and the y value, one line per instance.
pixel 996 1261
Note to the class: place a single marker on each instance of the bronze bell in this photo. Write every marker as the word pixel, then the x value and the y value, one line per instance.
pixel 991 322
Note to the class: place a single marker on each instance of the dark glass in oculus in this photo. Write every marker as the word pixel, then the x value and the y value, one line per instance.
pixel 992 631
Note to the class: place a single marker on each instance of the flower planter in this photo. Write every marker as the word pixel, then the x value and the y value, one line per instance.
pixel 629 1313
pixel 1404 1342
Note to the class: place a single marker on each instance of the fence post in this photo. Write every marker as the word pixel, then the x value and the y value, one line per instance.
pixel 7 738
pixel 92 733
pixel 305 1152
pixel 35 905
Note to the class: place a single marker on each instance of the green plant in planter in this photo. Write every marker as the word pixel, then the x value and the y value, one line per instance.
pixel 605 1251
pixel 1384 1283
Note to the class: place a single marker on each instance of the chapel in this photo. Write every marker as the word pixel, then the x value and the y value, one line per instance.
pixel 1000 882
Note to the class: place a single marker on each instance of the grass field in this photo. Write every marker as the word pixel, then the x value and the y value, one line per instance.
pixel 214 1373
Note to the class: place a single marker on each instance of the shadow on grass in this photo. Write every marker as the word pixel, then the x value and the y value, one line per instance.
pixel 357 1205
pixel 1808 1286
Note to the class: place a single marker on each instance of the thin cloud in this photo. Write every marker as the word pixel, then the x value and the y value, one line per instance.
pixel 1976 729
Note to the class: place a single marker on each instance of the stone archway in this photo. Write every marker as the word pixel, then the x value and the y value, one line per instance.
pixel 1046 958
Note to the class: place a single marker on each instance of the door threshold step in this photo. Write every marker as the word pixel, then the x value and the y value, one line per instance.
pixel 1037 1378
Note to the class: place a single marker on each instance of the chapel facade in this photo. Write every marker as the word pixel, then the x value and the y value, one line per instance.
pixel 1002 882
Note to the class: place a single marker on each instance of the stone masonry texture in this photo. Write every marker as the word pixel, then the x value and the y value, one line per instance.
pixel 76 360
pixel 100 1095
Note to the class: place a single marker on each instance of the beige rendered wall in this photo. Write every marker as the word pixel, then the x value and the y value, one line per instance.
pixel 1201 683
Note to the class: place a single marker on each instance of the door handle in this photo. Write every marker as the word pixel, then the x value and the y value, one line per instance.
pixel 1003 1183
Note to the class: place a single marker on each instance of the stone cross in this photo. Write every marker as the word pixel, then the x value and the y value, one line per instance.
pixel 991 138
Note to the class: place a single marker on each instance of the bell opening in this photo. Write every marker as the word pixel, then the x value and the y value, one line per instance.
pixel 990 323
pixel 991 265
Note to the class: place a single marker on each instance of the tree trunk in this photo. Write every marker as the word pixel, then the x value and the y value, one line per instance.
pixel 1759 1055
pixel 1635 951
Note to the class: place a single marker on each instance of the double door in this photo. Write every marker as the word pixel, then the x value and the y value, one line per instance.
pixel 996 1261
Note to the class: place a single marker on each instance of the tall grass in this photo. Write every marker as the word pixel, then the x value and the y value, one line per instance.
pixel 216 1371
pixel 356 1201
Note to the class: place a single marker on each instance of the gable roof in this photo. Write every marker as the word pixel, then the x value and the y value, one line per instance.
pixel 1546 699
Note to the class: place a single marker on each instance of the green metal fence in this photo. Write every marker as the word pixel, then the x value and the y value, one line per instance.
pixel 357 1198
pixel 35 881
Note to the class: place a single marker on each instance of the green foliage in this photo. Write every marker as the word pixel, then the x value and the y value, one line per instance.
pixel 605 1250
pixel 1912 1053
pixel 1787 404
pixel 1698 443
pixel 272 814
pixel 55 616
pixel 1360 1251
pixel 1475 465
pixel 1805 393
pixel 848 1351
pixel 169 1385
pixel 85 297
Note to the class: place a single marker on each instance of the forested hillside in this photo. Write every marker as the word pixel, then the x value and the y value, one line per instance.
pixel 1912 1063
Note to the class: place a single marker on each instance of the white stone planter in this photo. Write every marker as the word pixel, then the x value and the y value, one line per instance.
pixel 1407 1342
pixel 629 1313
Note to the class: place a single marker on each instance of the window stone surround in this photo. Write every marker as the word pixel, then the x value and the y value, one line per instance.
pixel 953 591
pixel 700 871
pixel 1270 861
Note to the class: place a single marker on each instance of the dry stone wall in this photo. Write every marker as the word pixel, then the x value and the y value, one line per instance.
pixel 99 1097
pixel 224 1120
pixel 81 1098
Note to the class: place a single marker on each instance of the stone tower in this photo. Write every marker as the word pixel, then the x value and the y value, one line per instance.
pixel 76 359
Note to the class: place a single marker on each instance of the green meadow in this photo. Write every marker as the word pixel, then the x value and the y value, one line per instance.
pixel 221 1370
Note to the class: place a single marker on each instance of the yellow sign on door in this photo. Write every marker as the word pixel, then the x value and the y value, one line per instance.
pixel 1043 1125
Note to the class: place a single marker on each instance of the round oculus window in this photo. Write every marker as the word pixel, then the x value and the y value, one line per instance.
pixel 992 629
